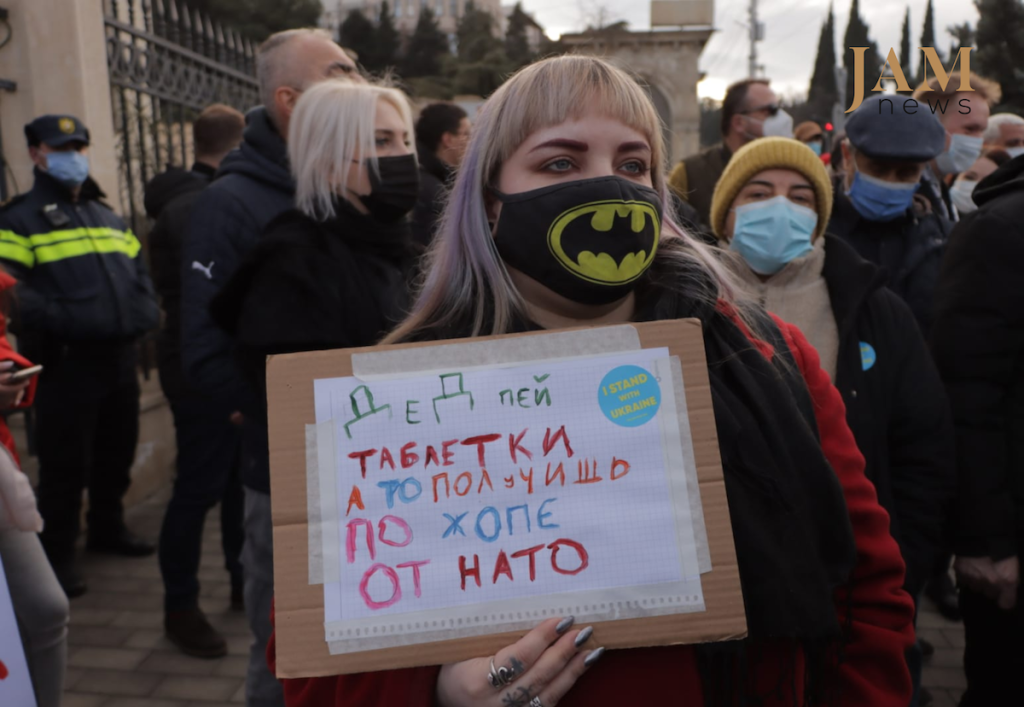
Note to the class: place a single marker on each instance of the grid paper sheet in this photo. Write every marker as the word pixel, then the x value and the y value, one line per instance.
pixel 443 530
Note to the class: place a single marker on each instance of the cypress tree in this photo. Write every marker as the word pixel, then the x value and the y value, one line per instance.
pixel 426 47
pixel 927 40
pixel 359 35
pixel 857 36
pixel 823 92
pixel 385 55
pixel 906 57
pixel 517 47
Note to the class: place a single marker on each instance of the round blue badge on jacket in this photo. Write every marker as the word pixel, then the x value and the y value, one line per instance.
pixel 867 356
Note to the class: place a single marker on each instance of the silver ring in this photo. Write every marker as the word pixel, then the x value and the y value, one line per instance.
pixel 535 702
pixel 500 677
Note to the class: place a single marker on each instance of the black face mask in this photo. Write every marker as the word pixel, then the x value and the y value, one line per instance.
pixel 394 190
pixel 588 240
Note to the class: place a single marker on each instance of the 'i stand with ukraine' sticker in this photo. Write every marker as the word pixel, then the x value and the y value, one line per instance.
pixel 629 396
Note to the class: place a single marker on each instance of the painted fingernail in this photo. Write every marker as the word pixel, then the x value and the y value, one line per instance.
pixel 584 636
pixel 565 624
pixel 593 657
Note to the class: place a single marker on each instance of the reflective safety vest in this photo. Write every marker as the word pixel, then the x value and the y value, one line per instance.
pixel 81 275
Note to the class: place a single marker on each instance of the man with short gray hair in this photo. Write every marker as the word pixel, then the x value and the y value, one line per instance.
pixel 1005 132
pixel 253 186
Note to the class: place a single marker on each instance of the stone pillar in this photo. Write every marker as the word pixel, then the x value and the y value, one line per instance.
pixel 57 56
pixel 667 60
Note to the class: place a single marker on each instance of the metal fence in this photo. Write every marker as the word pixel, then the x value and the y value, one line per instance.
pixel 167 62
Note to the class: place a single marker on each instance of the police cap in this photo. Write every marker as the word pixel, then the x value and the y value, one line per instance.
pixel 897 128
pixel 56 130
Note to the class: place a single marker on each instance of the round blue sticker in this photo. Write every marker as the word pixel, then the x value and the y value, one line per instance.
pixel 867 356
pixel 629 396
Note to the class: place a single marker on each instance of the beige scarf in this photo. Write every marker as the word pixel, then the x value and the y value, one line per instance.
pixel 798 295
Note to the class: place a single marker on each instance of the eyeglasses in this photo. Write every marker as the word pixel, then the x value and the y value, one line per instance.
pixel 771 108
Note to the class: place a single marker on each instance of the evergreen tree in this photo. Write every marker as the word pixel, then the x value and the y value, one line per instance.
pixel 360 36
pixel 823 92
pixel 482 62
pixel 906 57
pixel 474 34
pixel 963 36
pixel 517 47
pixel 927 40
pixel 1000 53
pixel 385 54
pixel 857 36
pixel 258 19
pixel 426 47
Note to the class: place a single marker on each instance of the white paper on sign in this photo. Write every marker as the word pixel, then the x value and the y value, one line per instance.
pixel 15 682
pixel 474 501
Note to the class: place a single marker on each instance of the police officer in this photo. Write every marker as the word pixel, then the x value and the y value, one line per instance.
pixel 878 207
pixel 83 299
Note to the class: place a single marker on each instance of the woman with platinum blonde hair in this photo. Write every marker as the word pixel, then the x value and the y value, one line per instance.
pixel 331 273
pixel 828 622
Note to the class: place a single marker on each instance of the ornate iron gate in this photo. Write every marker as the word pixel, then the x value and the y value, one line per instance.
pixel 166 63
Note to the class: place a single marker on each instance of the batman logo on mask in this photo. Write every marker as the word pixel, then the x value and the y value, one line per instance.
pixel 606 242
pixel 588 240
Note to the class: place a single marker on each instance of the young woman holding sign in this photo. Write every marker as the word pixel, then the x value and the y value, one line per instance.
pixel 821 576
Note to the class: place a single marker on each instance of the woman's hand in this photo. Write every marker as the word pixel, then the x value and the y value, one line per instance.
pixel 541 667
pixel 10 393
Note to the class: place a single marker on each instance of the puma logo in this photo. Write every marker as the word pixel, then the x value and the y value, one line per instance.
pixel 205 269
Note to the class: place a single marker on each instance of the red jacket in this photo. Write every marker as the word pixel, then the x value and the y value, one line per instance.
pixel 9 354
pixel 873 671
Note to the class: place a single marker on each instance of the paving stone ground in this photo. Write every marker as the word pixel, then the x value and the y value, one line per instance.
pixel 118 655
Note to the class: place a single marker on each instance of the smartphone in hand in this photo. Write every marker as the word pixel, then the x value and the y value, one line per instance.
pixel 24 374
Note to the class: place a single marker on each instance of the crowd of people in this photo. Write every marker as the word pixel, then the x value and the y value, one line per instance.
pixel 863 332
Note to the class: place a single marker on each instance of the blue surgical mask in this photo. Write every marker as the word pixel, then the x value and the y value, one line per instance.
pixel 1015 151
pixel 69 168
pixel 815 147
pixel 878 200
pixel 769 234
pixel 963 151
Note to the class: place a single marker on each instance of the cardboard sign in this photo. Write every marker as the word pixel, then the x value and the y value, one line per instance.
pixel 454 508
pixel 15 681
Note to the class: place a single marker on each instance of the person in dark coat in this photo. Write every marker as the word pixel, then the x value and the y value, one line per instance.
pixel 207 462
pixel 877 207
pixel 442 132
pixel 770 207
pixel 750 110
pixel 883 209
pixel 83 299
pixel 978 343
pixel 334 272
pixel 253 187
pixel 818 567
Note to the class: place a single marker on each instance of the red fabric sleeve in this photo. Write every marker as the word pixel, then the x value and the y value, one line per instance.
pixel 879 614
pixel 409 687
pixel 7 353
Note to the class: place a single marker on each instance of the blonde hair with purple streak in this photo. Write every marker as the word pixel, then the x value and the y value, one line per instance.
pixel 466 282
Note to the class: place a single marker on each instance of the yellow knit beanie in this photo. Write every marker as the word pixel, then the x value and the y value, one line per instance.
pixel 771 153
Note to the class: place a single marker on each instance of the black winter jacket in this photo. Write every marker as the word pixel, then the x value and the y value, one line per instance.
pixel 253 186
pixel 978 342
pixel 896 406
pixel 168 200
pixel 434 178
pixel 310 286
pixel 81 272
pixel 909 249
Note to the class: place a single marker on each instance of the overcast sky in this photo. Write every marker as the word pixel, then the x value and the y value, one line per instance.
pixel 792 28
